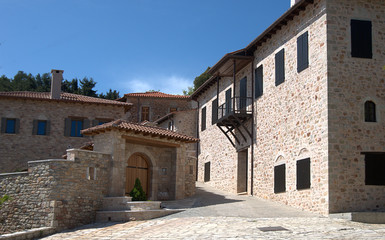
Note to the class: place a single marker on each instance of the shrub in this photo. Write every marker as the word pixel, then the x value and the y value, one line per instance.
pixel 4 199
pixel 137 192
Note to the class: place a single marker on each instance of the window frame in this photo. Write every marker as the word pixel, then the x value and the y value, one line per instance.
pixel 361 38
pixel 303 169
pixel 5 125
pixel 280 67
pixel 280 187
pixel 303 52
pixel 370 114
pixel 143 114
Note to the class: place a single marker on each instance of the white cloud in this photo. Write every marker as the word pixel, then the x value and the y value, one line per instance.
pixel 168 84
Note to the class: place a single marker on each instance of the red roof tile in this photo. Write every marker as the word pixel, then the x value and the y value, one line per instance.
pixel 156 95
pixel 138 128
pixel 65 97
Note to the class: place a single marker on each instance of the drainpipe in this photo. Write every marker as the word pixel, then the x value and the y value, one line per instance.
pixel 252 128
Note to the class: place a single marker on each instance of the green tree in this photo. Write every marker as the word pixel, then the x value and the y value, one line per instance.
pixel 5 84
pixel 43 82
pixel 87 87
pixel 111 95
pixel 198 81
pixel 70 86
pixel 137 192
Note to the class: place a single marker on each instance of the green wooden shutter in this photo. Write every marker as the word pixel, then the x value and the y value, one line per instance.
pixel 243 94
pixel 361 38
pixel 279 67
pixel 203 119
pixel 67 127
pixel 34 127
pixel 214 114
pixel 302 52
pixel 47 127
pixel 280 178
pixel 303 173
pixel 258 81
pixel 17 125
pixel 3 124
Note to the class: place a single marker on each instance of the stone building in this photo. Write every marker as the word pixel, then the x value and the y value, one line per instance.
pixel 41 125
pixel 299 112
pixel 150 106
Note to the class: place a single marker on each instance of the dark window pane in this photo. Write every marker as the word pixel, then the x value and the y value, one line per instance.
pixel 303 173
pixel 375 169
pixel 279 67
pixel 11 126
pixel 207 172
pixel 76 126
pixel 302 52
pixel 361 33
pixel 279 178
pixel 370 111
pixel 41 127
pixel 203 118
pixel 259 81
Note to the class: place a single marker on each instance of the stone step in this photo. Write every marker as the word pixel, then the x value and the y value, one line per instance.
pixel 133 215
pixel 143 205
pixel 116 203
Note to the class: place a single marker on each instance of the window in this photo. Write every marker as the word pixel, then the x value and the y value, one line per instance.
pixel 214 114
pixel 374 168
pixel 171 125
pixel 207 172
pixel 91 173
pixel 145 114
pixel 173 109
pixel 303 174
pixel 203 119
pixel 10 125
pixel 370 111
pixel 100 121
pixel 279 178
pixel 40 127
pixel 73 126
pixel 243 94
pixel 302 52
pixel 361 33
pixel 259 81
pixel 228 101
pixel 279 67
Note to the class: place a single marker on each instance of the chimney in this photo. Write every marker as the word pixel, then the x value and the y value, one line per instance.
pixel 293 2
pixel 57 77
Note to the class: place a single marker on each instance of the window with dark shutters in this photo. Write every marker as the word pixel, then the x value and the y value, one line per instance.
pixel 10 125
pixel 203 119
pixel 361 38
pixel 73 126
pixel 259 81
pixel 228 101
pixel 214 114
pixel 280 178
pixel 302 52
pixel 40 127
pixel 207 172
pixel 243 93
pixel 370 111
pixel 279 67
pixel 303 174
pixel 375 169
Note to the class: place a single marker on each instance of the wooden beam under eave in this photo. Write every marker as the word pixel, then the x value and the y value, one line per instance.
pixel 149 142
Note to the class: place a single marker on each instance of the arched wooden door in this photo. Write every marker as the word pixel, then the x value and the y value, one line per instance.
pixel 137 167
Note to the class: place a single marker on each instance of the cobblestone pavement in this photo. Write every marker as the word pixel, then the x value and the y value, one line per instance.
pixel 216 215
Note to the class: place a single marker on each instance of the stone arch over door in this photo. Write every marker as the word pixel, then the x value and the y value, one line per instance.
pixel 138 166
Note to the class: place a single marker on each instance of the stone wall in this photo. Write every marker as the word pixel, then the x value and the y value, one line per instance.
pixel 352 81
pixel 290 119
pixel 55 193
pixel 158 106
pixel 24 146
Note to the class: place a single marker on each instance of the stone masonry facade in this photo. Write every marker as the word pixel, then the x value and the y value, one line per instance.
pixel 56 193
pixel 317 113
pixel 24 146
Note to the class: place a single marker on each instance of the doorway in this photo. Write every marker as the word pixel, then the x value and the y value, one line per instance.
pixel 137 167
pixel 242 172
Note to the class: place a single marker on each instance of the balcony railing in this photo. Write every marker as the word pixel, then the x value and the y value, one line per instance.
pixel 243 106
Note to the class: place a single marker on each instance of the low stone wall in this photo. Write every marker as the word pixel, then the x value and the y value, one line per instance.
pixel 55 193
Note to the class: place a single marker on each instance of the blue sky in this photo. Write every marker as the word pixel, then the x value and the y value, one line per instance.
pixel 131 45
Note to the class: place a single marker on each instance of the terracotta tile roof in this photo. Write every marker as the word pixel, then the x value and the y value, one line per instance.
pixel 156 95
pixel 122 125
pixel 64 97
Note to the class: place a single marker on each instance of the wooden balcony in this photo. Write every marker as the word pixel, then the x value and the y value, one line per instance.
pixel 233 115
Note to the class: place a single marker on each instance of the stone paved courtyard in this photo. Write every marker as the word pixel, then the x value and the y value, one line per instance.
pixel 216 215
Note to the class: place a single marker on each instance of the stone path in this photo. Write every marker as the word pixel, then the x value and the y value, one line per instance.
pixel 216 215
